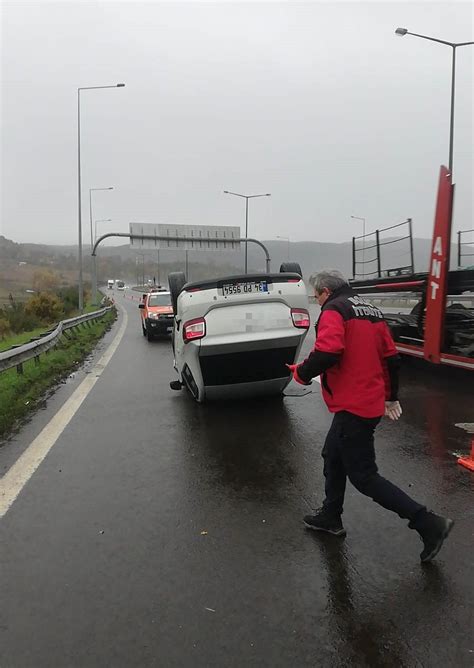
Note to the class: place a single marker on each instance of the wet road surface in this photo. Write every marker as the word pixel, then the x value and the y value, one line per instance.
pixel 158 532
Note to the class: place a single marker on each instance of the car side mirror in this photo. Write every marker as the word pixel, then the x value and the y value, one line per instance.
pixel 141 305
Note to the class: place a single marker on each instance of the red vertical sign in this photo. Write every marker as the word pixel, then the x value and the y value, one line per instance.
pixel 438 270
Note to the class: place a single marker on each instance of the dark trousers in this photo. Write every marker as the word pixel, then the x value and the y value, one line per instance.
pixel 349 453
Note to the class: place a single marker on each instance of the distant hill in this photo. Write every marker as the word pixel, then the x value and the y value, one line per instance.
pixel 130 265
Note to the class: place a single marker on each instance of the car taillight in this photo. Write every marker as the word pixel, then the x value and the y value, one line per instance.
pixel 300 317
pixel 194 329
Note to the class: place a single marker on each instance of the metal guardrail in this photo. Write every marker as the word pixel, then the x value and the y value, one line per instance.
pixel 16 355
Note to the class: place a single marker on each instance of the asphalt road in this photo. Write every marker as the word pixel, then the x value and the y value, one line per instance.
pixel 158 532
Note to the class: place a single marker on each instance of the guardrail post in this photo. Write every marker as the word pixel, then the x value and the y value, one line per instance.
pixel 377 243
pixel 353 258
pixel 37 360
pixel 412 255
pixel 19 369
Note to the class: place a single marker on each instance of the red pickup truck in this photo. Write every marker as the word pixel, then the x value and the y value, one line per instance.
pixel 156 314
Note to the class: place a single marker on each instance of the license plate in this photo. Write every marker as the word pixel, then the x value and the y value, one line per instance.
pixel 244 288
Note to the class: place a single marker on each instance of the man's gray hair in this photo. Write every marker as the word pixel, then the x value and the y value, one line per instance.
pixel 332 279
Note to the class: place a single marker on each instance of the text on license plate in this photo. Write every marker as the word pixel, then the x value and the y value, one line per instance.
pixel 246 287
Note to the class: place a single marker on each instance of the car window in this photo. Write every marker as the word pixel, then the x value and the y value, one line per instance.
pixel 159 300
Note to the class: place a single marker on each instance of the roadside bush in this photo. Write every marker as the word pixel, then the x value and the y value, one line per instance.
pixel 45 280
pixel 46 307
pixel 5 329
pixel 70 298
pixel 19 320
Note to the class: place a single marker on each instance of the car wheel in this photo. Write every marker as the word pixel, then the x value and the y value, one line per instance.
pixel 149 335
pixel 290 268
pixel 176 282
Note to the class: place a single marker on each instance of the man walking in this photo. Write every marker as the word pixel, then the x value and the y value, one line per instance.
pixel 358 363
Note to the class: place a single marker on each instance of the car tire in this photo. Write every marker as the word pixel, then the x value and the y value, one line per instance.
pixel 149 335
pixel 291 268
pixel 144 330
pixel 176 282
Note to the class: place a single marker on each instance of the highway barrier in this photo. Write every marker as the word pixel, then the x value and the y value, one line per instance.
pixel 17 355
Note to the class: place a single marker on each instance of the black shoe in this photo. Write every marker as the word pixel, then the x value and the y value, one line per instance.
pixel 433 530
pixel 322 522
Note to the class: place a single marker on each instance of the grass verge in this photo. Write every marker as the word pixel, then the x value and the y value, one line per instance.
pixel 25 337
pixel 19 394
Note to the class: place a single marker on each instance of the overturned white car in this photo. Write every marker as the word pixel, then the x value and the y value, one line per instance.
pixel 233 336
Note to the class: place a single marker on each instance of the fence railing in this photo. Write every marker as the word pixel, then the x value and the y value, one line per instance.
pixel 462 250
pixel 17 355
pixel 374 245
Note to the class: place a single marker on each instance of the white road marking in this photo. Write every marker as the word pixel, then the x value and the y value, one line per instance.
pixel 18 475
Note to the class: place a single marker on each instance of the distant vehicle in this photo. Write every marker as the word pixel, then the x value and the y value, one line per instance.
pixel 120 285
pixel 233 336
pixel 110 283
pixel 156 314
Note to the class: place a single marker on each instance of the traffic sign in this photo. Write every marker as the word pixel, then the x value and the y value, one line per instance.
pixel 195 237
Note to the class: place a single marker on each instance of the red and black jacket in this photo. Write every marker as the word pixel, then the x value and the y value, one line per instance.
pixel 355 355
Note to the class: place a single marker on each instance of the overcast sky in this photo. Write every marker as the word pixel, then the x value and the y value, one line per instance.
pixel 319 104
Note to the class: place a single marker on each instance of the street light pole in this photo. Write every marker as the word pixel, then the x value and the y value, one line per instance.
pixel 246 197
pixel 90 211
pixel 79 187
pixel 79 252
pixel 451 120
pixel 288 241
pixel 454 45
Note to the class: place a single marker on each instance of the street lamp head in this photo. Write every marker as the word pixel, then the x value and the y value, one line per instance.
pixel 268 194
pixel 110 188
pixel 226 192
pixel 401 31
pixel 121 85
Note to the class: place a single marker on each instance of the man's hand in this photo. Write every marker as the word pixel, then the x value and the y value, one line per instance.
pixel 393 410
pixel 294 370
